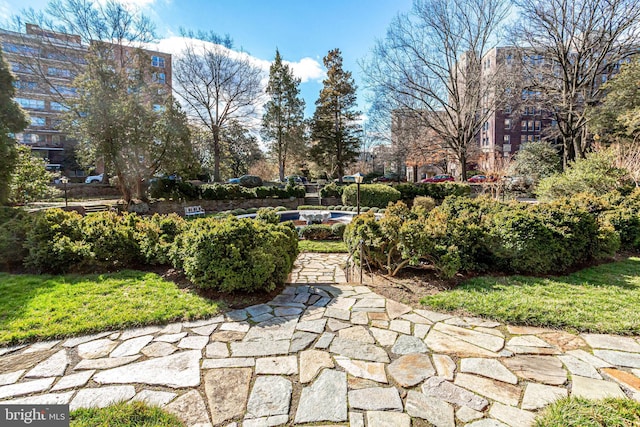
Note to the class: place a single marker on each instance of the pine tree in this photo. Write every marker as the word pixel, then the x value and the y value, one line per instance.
pixel 334 127
pixel 12 120
pixel 282 122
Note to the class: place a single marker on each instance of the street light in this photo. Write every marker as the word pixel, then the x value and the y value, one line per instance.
pixel 358 177
pixel 64 180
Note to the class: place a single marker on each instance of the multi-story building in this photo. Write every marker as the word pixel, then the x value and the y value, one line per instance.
pixel 45 65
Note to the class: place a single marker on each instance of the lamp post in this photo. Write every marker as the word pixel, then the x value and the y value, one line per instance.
pixel 64 181
pixel 358 177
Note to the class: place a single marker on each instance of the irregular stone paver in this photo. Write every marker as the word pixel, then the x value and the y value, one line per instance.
pixel 612 342
pixel 386 419
pixel 375 399
pixel 495 390
pixel 537 396
pixel 325 399
pixel 154 397
pixel 270 396
pixel 489 368
pixel 443 389
pixel 73 380
pixel 578 367
pixel 594 389
pixel 368 370
pixel 445 366
pixel 619 358
pixel 190 408
pixel 27 387
pixel 286 365
pixel 407 344
pixel 543 369
pixel 101 397
pixel 358 350
pixel 54 366
pixel 227 391
pixel 411 369
pixel 312 362
pixel 178 370
pixel 511 416
pixel 265 346
pixel 436 411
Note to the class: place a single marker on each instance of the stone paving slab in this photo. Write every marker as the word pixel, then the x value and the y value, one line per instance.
pixel 327 353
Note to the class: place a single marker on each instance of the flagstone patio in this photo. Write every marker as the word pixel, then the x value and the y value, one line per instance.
pixel 327 352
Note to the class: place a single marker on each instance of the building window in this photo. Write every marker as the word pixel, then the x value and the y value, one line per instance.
pixel 509 59
pixel 507 139
pixel 523 139
pixel 20 49
pixel 523 126
pixel 63 90
pixel 160 78
pixel 537 125
pixel 33 104
pixel 59 72
pixel 157 61
pixel 56 106
pixel 20 68
pixel 507 109
pixel 530 125
pixel 25 85
pixel 38 121
pixel 507 123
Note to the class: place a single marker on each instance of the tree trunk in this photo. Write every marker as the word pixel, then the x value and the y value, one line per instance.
pixel 216 155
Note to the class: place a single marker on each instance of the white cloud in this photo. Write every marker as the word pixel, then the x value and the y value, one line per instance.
pixel 307 69
pixel 133 4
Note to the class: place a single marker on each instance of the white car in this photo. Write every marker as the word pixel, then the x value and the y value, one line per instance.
pixel 93 179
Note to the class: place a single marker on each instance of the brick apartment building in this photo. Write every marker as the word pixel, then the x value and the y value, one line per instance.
pixel 45 65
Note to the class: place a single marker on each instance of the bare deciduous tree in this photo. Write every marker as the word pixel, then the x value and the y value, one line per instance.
pixel 431 65
pixel 217 86
pixel 567 46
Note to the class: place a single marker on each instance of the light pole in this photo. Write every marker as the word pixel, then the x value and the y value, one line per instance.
pixel 64 181
pixel 358 177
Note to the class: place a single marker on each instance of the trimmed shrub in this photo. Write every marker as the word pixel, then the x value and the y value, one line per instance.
pixel 626 223
pixel 14 223
pixel 54 242
pixel 111 237
pixel 268 215
pixel 280 209
pixel 337 229
pixel 316 232
pixel 378 195
pixel 236 254
pixel 338 207
pixel 332 190
pixel 425 202
pixel 156 235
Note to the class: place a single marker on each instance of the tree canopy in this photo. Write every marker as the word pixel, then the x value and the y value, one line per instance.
pixel 334 128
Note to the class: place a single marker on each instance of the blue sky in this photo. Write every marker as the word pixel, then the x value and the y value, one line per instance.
pixel 303 30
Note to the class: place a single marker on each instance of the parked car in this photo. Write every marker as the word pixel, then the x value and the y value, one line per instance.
pixel 233 181
pixel 349 179
pixel 390 177
pixel 92 179
pixel 439 178
pixel 249 181
pixel 297 179
pixel 477 178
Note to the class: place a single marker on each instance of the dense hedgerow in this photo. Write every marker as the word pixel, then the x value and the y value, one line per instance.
pixel 316 232
pixel 179 190
pixel 14 223
pixel 226 254
pixel 437 191
pixel 377 195
pixel 480 234
pixel 332 190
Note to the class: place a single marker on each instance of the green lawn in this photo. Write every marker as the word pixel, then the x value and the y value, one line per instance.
pixel 602 299
pixel 572 412
pixel 40 307
pixel 322 246
pixel 135 414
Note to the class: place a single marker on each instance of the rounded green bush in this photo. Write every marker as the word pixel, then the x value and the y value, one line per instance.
pixel 425 202
pixel 236 254
pixel 316 232
pixel 339 207
pixel 280 209
pixel 332 190
pixel 378 195
pixel 337 229
pixel 14 223
pixel 268 215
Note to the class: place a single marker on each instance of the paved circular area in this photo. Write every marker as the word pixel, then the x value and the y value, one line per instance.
pixel 326 353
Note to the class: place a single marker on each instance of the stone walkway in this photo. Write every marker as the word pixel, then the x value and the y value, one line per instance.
pixel 332 354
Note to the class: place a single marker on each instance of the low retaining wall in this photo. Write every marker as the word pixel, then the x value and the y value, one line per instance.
pixel 88 191
pixel 167 207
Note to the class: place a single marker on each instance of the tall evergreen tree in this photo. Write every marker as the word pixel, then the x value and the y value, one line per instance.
pixel 282 122
pixel 12 120
pixel 334 129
